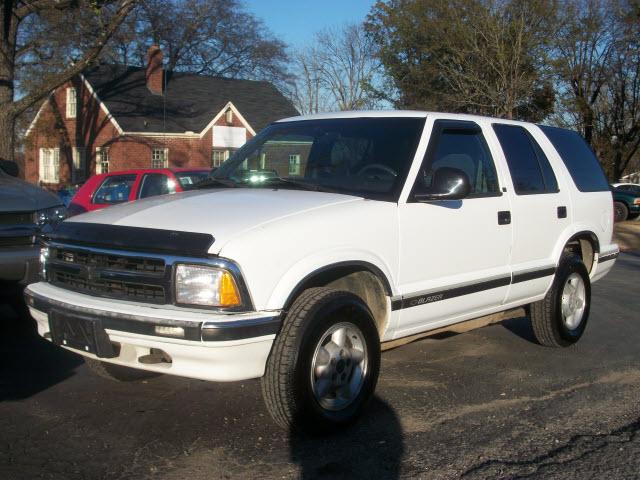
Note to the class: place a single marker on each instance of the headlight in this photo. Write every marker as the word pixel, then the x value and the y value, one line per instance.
pixel 50 216
pixel 202 285
pixel 44 256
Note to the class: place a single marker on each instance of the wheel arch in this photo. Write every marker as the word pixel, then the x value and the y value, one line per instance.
pixel 362 278
pixel 586 244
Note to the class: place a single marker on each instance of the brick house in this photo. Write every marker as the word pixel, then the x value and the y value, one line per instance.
pixel 113 117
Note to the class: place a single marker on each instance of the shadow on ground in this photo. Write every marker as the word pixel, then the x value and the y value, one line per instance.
pixel 371 448
pixel 28 363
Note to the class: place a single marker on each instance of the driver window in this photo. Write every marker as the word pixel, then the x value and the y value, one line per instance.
pixel 460 145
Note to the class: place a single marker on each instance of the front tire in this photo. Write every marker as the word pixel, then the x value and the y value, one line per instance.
pixel 559 320
pixel 620 212
pixel 324 364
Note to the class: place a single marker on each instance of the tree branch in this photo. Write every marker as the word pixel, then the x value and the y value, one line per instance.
pixel 89 56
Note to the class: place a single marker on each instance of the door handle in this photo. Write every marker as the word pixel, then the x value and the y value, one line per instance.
pixel 504 217
pixel 562 212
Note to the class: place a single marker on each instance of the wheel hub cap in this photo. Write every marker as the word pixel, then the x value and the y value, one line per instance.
pixel 339 366
pixel 573 301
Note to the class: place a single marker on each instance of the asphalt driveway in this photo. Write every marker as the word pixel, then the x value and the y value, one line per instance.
pixel 485 404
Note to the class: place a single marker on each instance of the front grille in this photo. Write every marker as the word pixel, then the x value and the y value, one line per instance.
pixel 108 261
pixel 17 218
pixel 111 289
pixel 123 277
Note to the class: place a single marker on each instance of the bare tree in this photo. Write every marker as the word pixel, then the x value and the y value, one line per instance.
pixel 347 66
pixel 306 92
pixel 617 111
pixel 336 72
pixel 477 56
pixel 212 37
pixel 582 53
pixel 15 51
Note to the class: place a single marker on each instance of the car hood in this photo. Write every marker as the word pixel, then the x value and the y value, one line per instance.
pixel 223 213
pixel 17 195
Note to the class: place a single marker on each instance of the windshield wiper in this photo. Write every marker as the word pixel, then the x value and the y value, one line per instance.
pixel 213 182
pixel 298 183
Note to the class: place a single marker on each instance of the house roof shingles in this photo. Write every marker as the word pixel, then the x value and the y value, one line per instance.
pixel 189 102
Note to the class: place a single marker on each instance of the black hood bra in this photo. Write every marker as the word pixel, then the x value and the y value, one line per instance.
pixel 120 237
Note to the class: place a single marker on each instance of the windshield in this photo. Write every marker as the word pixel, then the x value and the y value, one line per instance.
pixel 188 180
pixel 358 156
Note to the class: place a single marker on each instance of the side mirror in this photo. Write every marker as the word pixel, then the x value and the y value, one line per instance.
pixel 447 184
pixel 9 167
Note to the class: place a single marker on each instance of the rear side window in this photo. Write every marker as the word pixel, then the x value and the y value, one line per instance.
pixel 156 184
pixel 580 160
pixel 114 189
pixel 530 169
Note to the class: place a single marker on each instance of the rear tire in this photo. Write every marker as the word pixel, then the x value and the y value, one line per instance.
pixel 620 212
pixel 117 373
pixel 559 320
pixel 324 364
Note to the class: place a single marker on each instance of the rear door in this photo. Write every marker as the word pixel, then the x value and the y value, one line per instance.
pixel 454 254
pixel 540 211
pixel 153 184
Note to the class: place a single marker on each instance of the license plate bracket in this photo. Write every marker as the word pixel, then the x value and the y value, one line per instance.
pixel 80 332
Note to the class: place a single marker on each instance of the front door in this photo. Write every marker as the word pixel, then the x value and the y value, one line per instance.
pixel 454 254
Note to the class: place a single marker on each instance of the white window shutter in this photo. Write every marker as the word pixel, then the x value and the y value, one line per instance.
pixel 166 158
pixel 41 165
pixel 56 165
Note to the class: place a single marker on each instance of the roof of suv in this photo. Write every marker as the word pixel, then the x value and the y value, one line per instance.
pixel 393 114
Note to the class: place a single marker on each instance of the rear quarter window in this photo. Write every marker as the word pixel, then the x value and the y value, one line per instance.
pixel 579 159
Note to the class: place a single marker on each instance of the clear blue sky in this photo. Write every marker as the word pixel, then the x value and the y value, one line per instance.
pixel 295 21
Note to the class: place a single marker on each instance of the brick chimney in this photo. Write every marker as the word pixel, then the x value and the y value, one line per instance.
pixel 154 73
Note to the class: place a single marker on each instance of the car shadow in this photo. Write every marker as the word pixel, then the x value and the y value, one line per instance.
pixel 371 448
pixel 28 363
pixel 521 327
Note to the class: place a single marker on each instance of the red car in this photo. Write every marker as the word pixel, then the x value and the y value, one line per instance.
pixel 108 189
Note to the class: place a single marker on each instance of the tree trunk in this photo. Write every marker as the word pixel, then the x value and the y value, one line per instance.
pixel 7 134
pixel 587 119
pixel 8 31
pixel 617 165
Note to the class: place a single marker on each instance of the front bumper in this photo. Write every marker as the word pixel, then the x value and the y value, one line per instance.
pixel 19 263
pixel 218 347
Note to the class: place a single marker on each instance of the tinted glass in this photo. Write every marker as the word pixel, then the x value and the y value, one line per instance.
pixel 358 156
pixel 463 148
pixel 188 180
pixel 529 166
pixel 580 160
pixel 114 189
pixel 635 189
pixel 155 184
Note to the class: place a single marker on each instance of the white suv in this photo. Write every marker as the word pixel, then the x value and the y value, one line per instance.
pixel 323 239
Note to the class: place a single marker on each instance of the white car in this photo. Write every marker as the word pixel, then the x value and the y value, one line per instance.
pixel 367 228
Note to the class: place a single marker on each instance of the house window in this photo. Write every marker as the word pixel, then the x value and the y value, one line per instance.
pixel 160 158
pixel 72 102
pixel 102 160
pixel 294 164
pixel 229 116
pixel 218 156
pixel 49 165
pixel 79 164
